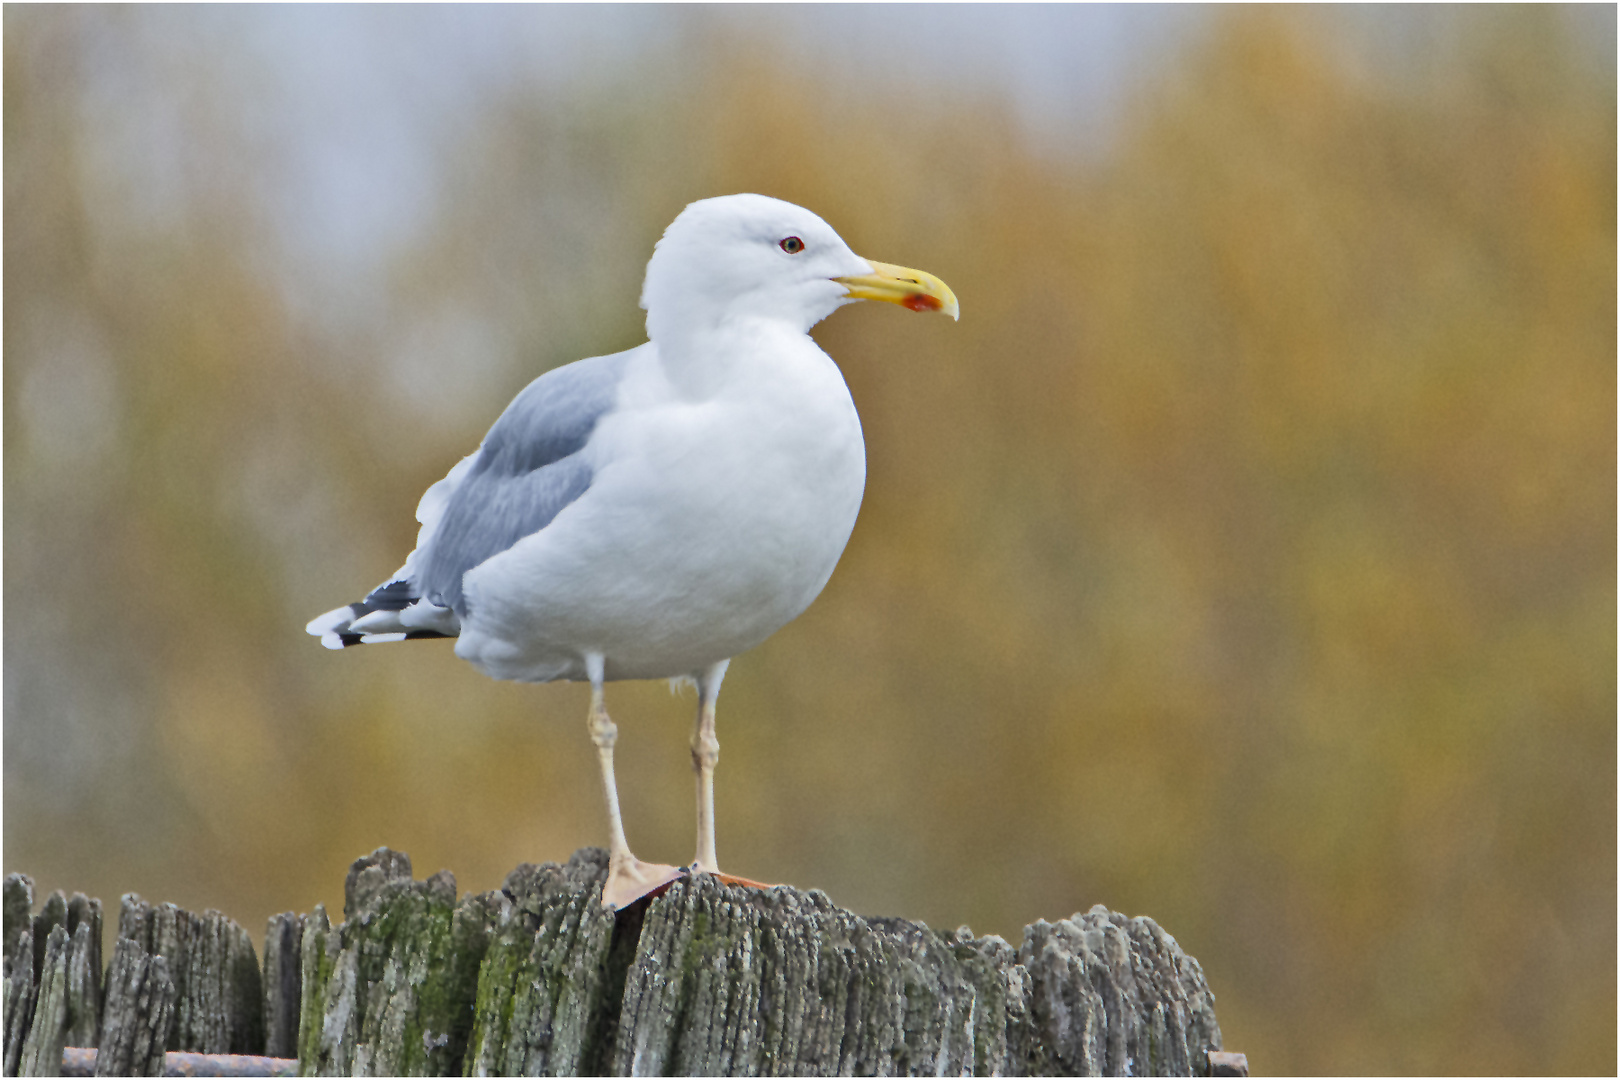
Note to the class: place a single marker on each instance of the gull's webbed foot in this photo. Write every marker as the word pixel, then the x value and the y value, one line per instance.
pixel 728 879
pixel 629 879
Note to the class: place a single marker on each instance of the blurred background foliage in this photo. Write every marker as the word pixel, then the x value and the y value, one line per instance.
pixel 1245 557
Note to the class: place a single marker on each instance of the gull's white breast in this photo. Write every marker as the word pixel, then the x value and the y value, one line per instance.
pixel 721 501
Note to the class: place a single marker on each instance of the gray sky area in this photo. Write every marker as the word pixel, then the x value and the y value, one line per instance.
pixel 351 103
pixel 348 110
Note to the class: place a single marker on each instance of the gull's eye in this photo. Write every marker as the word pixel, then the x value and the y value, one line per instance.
pixel 792 245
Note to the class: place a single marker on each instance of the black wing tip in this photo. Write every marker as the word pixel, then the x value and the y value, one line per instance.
pixel 345 639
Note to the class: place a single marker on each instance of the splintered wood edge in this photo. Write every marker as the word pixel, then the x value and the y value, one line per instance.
pixel 78 1061
pixel 1228 1063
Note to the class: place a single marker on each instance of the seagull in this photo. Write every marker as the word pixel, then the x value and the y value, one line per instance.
pixel 652 513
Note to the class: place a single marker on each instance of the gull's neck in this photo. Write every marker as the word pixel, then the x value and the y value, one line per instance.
pixel 704 361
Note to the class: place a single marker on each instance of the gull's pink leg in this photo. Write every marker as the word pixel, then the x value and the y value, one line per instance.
pixel 705 755
pixel 629 879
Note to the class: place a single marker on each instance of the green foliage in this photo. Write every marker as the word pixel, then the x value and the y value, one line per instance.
pixel 1245 555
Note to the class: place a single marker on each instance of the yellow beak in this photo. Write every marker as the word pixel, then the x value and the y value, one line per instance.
pixel 914 289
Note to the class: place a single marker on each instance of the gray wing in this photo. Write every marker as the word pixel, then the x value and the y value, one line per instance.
pixel 528 469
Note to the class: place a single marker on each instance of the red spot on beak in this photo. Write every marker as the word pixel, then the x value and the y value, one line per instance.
pixel 922 302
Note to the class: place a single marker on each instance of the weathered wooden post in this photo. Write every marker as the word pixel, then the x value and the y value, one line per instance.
pixel 538 978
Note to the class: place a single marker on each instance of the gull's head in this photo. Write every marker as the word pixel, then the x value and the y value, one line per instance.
pixel 750 256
